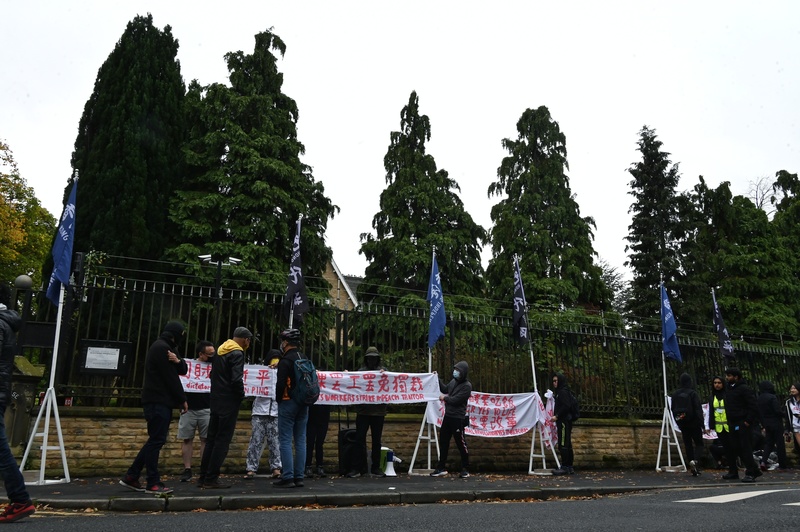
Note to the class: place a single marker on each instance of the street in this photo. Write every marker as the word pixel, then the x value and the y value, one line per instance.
pixel 723 508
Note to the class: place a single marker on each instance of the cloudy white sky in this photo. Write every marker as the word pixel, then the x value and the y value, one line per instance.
pixel 718 80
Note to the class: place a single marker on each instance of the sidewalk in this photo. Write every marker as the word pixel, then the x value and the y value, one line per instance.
pixel 106 494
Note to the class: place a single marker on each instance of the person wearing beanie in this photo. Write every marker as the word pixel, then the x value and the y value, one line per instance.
pixel 455 396
pixel 227 392
pixel 741 412
pixel 370 417
pixel 162 391
pixel 20 505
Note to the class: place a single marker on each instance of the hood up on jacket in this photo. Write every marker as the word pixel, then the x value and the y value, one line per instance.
pixel 686 381
pixel 463 368
pixel 766 387
pixel 562 380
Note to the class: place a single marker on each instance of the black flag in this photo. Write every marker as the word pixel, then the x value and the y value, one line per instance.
pixel 296 298
pixel 520 318
pixel 725 344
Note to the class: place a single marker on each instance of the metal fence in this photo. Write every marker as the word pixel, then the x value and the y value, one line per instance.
pixel 615 372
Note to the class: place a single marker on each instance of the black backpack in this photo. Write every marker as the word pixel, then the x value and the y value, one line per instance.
pixel 682 405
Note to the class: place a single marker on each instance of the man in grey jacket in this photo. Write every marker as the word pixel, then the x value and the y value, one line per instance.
pixel 455 397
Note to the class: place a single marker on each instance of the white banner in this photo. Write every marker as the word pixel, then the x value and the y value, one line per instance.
pixel 549 432
pixel 336 387
pixel 494 415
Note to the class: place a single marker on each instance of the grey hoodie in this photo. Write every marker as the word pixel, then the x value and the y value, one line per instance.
pixel 457 392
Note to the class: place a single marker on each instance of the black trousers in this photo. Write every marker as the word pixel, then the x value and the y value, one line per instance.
pixel 773 440
pixel 220 433
pixel 564 432
pixel 452 427
pixel 319 417
pixel 375 425
pixel 692 434
pixel 742 438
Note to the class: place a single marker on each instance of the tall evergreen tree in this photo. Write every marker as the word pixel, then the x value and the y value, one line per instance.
pixel 128 148
pixel 539 220
pixel 652 235
pixel 419 209
pixel 246 185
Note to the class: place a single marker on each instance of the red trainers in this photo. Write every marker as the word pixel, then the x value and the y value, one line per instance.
pixel 159 489
pixel 131 484
pixel 16 511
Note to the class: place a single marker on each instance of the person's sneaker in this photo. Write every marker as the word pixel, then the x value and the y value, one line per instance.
pixel 757 473
pixel 464 473
pixel 16 511
pixel 377 473
pixel 284 483
pixel 560 471
pixel 309 472
pixel 730 476
pixel 353 474
pixel 748 478
pixel 131 484
pixel 321 472
pixel 570 471
pixel 298 483
pixel 693 468
pixel 159 489
pixel 187 475
pixel 439 473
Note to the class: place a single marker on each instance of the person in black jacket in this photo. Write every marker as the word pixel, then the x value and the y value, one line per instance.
pixel 21 505
pixel 772 415
pixel 292 416
pixel 455 397
pixel 741 411
pixel 562 415
pixel 688 414
pixel 370 417
pixel 161 392
pixel 227 392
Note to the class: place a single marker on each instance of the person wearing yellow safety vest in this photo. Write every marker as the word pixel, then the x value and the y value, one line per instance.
pixel 718 422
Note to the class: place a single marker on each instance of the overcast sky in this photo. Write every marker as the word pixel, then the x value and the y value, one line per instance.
pixel 718 81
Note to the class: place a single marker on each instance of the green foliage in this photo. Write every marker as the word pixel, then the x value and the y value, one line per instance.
pixel 653 233
pixel 128 148
pixel 26 228
pixel 246 185
pixel 419 210
pixel 539 220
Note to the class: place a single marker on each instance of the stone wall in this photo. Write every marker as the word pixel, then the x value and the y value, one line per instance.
pixel 103 442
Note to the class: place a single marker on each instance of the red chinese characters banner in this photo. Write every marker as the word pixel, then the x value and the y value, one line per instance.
pixel 494 415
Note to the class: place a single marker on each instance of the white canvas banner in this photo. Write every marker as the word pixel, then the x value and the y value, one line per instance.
pixel 336 387
pixel 493 415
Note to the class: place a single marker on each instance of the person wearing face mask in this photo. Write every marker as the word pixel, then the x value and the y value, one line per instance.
pixel 370 417
pixel 455 397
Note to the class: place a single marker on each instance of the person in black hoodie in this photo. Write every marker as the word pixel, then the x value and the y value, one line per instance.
pixel 718 422
pixel 772 414
pixel 742 414
pixel 455 397
pixel 161 392
pixel 562 415
pixel 688 415
pixel 21 505
pixel 227 392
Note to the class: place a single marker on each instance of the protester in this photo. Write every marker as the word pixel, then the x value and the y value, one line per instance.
pixel 742 414
pixel 455 397
pixel 227 392
pixel 161 392
pixel 772 414
pixel 370 416
pixel 564 402
pixel 319 418
pixel 264 420
pixel 688 414
pixel 196 418
pixel 292 416
pixel 793 414
pixel 20 502
pixel 718 422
